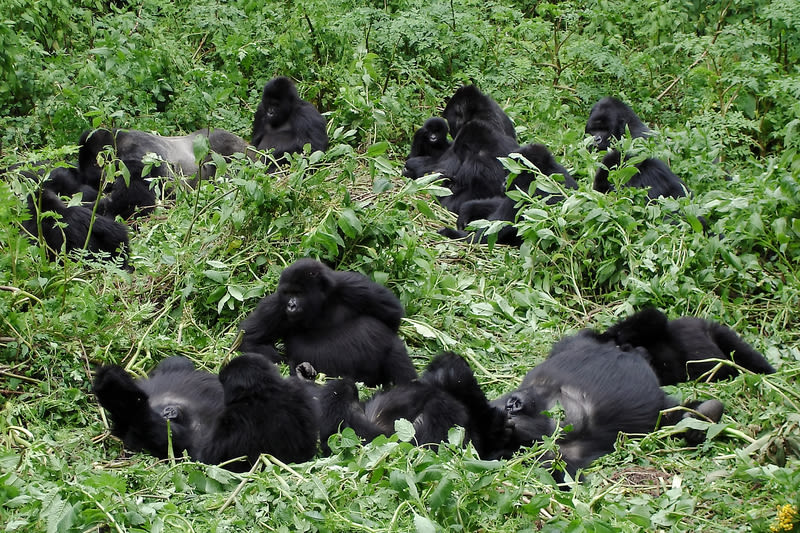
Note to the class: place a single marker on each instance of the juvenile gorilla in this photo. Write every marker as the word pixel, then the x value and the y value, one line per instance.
pixel 342 323
pixel 62 180
pixel 427 147
pixel 446 394
pixel 285 123
pixel 246 411
pixel 503 207
pixel 132 145
pixel 107 235
pixel 468 104
pixel 675 348
pixel 608 119
pixel 653 175
pixel 602 390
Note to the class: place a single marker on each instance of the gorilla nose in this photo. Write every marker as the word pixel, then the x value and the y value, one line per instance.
pixel 514 404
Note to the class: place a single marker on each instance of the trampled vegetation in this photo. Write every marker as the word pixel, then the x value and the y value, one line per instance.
pixel 718 81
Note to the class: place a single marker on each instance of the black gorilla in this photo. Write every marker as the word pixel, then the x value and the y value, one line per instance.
pixel 285 123
pixel 107 235
pixel 62 180
pixel 608 119
pixel 342 323
pixel 133 196
pixel 431 139
pixel 132 145
pixel 471 167
pixel 653 175
pixel 247 410
pixel 675 348
pixel 446 394
pixel 602 390
pixel 503 207
pixel 264 413
pixel 468 104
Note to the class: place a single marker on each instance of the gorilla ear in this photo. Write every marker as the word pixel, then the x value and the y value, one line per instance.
pixel 514 404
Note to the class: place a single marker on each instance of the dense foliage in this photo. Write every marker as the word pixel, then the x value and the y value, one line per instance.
pixel 718 80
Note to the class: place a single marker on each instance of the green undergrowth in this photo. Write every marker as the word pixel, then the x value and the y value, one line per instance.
pixel 717 81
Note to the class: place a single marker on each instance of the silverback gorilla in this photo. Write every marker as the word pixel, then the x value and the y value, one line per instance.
pixel 602 390
pixel 247 410
pixel 342 323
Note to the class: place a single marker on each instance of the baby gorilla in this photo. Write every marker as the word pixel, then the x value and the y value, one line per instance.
pixel 428 145
pixel 677 349
pixel 342 323
pixel 246 411
pixel 602 390
pixel 608 120
pixel 284 123
pixel 446 394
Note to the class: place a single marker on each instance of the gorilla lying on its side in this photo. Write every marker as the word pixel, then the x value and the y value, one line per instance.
pixel 675 348
pixel 246 411
pixel 468 104
pixel 62 180
pixel 107 235
pixel 445 395
pixel 653 175
pixel 608 119
pixel 285 123
pixel 503 207
pixel 132 145
pixel 342 323
pixel 602 389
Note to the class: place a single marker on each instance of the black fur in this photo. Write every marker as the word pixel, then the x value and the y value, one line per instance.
pixel 446 394
pixel 674 347
pixel 285 123
pixel 468 104
pixel 264 413
pixel 342 323
pixel 608 119
pixel 247 410
pixel 107 235
pixel 503 207
pixel 132 196
pixel 653 175
pixel 602 389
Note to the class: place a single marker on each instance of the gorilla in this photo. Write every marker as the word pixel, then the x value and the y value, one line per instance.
pixel 445 395
pixel 431 139
pixel 62 180
pixel 132 197
pixel 468 104
pixel 132 145
pixel 470 166
pixel 503 207
pixel 284 123
pixel 653 175
pixel 247 410
pixel 678 350
pixel 342 323
pixel 608 119
pixel 602 390
pixel 107 236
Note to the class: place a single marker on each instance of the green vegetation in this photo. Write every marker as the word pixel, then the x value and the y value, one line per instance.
pixel 719 81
